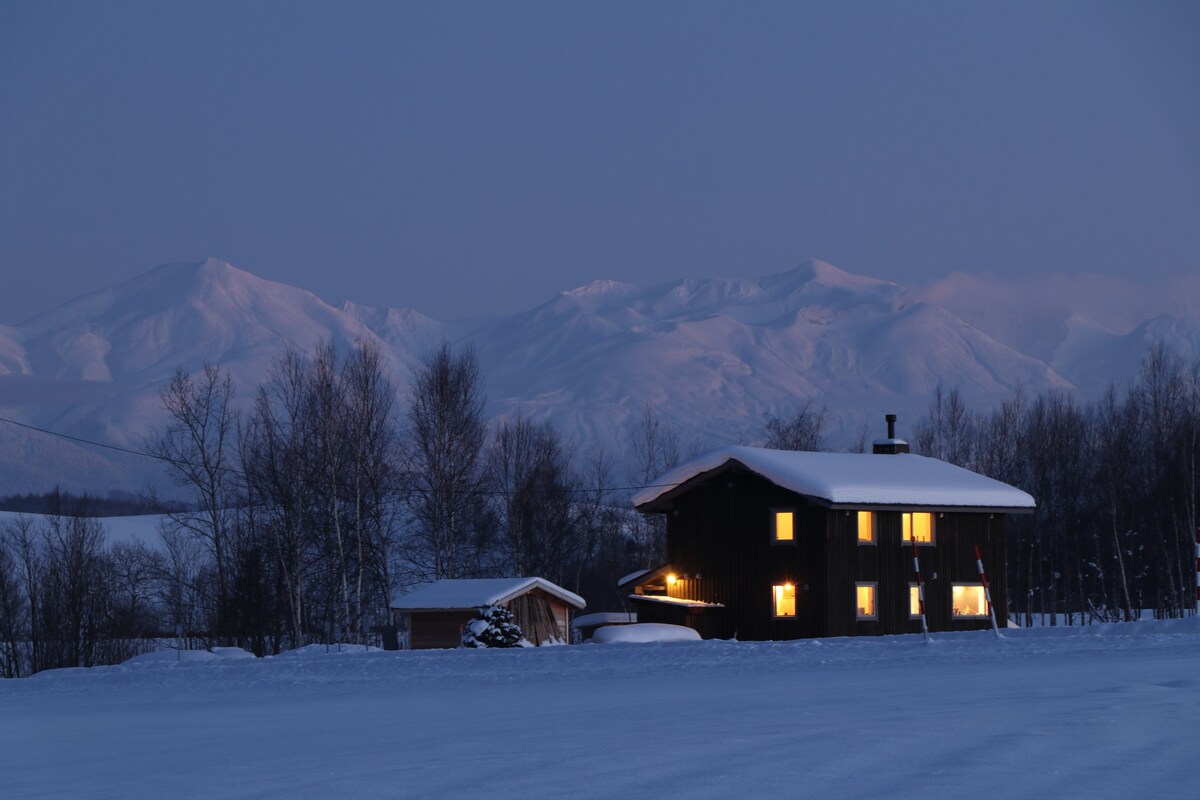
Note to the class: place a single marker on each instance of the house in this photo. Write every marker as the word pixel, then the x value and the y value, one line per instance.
pixel 773 544
pixel 433 614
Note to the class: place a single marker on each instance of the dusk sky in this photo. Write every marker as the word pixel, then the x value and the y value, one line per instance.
pixel 466 159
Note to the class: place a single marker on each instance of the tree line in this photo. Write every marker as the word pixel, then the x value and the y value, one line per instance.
pixel 1115 481
pixel 310 508
pixel 312 505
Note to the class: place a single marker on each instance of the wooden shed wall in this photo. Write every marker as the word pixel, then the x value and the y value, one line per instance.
pixel 437 629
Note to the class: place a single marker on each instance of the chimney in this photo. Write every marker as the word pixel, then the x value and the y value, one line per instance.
pixel 891 445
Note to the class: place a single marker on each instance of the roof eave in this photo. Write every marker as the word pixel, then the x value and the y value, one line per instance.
pixel 662 503
pixel 924 507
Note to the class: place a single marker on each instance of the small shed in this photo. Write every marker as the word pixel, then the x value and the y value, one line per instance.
pixel 433 615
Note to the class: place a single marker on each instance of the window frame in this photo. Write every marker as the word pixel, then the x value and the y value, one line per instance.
pixel 775 512
pixel 777 594
pixel 987 611
pixel 933 526
pixel 914 586
pixel 874 527
pixel 874 616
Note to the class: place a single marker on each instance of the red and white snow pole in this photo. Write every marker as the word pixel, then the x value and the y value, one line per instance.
pixel 987 592
pixel 920 591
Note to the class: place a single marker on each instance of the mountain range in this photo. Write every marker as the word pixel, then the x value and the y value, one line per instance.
pixel 713 356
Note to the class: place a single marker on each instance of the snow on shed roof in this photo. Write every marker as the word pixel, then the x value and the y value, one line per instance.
pixel 851 479
pixel 474 592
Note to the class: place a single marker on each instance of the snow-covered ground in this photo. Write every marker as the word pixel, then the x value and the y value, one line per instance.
pixel 1107 711
pixel 144 529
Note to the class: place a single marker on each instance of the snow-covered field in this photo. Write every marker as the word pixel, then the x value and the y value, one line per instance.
pixel 1107 711
pixel 144 528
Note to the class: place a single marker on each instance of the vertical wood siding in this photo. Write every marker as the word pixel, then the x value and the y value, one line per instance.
pixel 721 545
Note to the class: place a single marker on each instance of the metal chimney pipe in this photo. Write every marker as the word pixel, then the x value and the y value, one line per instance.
pixel 891 423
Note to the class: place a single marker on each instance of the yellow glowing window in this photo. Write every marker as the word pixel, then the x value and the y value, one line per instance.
pixel 785 526
pixel 917 527
pixel 785 600
pixel 866 527
pixel 914 601
pixel 969 600
pixel 865 594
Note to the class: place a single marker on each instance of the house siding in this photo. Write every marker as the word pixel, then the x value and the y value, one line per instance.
pixel 720 545
pixel 725 532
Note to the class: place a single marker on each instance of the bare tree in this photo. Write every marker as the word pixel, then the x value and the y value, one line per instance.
pixel 655 448
pixel 198 446
pixel 14 604
pixel 442 459
pixel 803 430
pixel 947 432
pixel 529 469
pixel 373 475
pixel 277 447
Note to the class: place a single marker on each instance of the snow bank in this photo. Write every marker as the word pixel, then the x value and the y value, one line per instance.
pixel 172 657
pixel 643 632
pixel 232 652
pixel 330 649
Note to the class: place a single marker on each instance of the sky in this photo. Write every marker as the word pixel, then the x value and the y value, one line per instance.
pixel 471 159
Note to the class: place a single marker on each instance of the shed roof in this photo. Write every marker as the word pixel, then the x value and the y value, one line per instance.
pixel 850 479
pixel 464 593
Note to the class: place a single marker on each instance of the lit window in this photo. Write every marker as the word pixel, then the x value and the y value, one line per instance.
pixel 917 527
pixel 914 601
pixel 866 527
pixel 968 600
pixel 785 526
pixel 785 600
pixel 865 594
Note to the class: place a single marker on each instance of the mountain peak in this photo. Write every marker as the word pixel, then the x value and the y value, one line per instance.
pixel 601 287
pixel 825 274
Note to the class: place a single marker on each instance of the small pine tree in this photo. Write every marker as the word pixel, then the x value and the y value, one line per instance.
pixel 492 626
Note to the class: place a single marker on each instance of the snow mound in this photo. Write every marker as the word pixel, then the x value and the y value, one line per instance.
pixel 331 649
pixel 644 632
pixel 232 652
pixel 173 657
pixel 604 618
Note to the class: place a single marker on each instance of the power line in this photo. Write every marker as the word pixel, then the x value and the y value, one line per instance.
pixel 81 440
pixel 247 476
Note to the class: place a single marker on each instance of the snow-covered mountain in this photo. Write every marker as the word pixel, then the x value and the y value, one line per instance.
pixel 713 356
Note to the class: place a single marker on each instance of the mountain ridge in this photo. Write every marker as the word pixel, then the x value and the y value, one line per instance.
pixel 713 355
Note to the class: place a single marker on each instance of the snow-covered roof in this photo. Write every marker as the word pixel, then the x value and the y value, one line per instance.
pixel 448 594
pixel 854 479
pixel 674 601
pixel 637 573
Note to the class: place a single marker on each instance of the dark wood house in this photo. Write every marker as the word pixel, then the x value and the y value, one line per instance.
pixel 433 615
pixel 773 544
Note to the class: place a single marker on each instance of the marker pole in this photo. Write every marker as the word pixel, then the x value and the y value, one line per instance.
pixel 987 592
pixel 920 591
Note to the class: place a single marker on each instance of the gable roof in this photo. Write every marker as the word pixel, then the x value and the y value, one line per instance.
pixel 849 479
pixel 465 593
